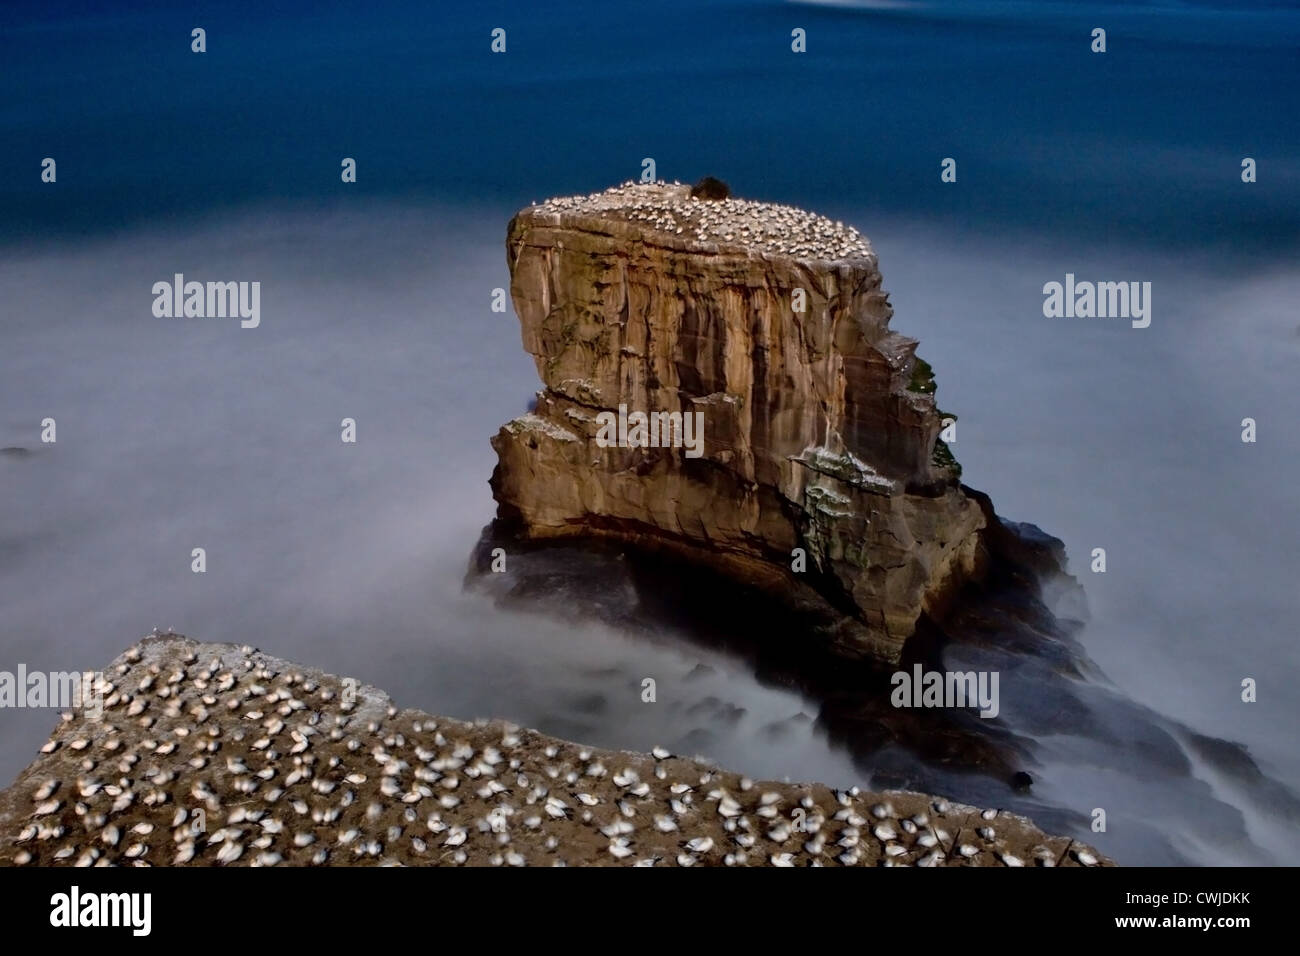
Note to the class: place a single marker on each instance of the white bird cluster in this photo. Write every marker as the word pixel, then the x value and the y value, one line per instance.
pixel 211 754
pixel 759 227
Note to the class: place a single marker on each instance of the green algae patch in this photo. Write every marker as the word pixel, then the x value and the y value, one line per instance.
pixel 922 377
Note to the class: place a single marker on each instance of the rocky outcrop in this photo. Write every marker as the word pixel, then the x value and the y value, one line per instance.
pixel 212 754
pixel 821 474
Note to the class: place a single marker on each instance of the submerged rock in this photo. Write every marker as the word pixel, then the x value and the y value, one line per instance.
pixel 821 475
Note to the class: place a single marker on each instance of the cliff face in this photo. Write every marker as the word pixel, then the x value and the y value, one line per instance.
pixel 820 431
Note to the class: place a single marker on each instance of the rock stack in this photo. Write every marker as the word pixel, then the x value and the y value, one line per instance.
pixel 822 475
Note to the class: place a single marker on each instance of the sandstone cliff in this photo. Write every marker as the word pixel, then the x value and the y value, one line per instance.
pixel 820 429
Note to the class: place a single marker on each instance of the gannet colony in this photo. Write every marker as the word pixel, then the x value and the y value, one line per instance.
pixel 212 754
pixel 761 227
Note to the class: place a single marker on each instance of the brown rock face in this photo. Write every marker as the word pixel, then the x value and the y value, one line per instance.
pixel 820 470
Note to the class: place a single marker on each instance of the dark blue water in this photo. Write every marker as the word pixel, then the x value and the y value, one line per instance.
pixel 175 434
pixel 1143 142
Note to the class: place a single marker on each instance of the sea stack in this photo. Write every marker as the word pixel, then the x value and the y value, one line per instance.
pixel 821 474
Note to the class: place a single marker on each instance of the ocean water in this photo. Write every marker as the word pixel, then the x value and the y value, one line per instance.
pixel 183 433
